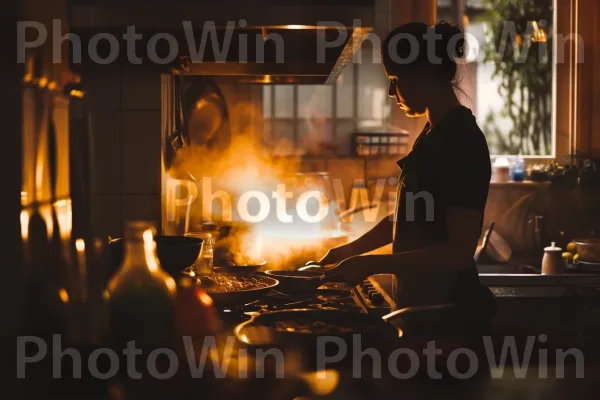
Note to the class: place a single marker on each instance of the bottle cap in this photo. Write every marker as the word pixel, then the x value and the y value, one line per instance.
pixel 553 247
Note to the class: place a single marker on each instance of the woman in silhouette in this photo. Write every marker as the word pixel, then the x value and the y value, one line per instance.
pixel 442 190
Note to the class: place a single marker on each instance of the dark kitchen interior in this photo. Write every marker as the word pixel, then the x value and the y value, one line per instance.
pixel 137 171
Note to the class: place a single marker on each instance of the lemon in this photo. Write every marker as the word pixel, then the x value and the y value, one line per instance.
pixel 567 257
pixel 576 258
pixel 572 248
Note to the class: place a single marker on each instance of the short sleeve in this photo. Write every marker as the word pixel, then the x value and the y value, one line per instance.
pixel 465 182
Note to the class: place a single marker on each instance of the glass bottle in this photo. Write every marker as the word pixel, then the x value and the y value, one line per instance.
pixel 517 170
pixel 140 295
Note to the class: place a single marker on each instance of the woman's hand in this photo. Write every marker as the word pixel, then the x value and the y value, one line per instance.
pixel 352 270
pixel 337 255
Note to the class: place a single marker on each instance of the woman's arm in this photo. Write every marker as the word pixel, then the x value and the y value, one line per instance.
pixel 379 236
pixel 454 254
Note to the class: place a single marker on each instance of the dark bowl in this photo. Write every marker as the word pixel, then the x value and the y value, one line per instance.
pixel 294 281
pixel 175 253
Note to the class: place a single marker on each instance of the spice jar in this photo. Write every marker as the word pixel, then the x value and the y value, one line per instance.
pixel 553 263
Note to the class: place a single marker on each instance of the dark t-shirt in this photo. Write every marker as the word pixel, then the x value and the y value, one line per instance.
pixel 449 166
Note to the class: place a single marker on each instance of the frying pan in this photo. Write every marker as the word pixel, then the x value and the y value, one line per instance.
pixel 295 281
pixel 242 296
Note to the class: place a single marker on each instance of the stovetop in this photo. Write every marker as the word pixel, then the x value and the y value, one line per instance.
pixel 333 296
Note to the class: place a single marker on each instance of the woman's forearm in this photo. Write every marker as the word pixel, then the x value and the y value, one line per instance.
pixel 380 235
pixel 428 260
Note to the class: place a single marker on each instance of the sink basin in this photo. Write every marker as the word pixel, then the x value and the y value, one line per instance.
pixel 506 269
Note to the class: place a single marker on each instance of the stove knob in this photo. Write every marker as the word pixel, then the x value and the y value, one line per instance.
pixel 366 284
pixel 377 298
pixel 372 292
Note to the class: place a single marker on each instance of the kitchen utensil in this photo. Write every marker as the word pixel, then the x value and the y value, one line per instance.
pixel 304 326
pixel 588 249
pixel 295 281
pixel 538 231
pixel 243 270
pixel 498 249
pixel 242 290
pixel 178 139
pixel 481 250
pixel 175 253
pixel 37 229
pixel 552 262
pixel 53 169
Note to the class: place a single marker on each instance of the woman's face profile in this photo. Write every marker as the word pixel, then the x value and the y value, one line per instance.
pixel 408 90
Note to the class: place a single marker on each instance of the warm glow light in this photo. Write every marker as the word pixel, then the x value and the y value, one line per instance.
pixel 24 225
pixel 77 93
pixel 170 282
pixel 297 26
pixel 322 383
pixel 64 296
pixel 64 214
pixel 400 332
pixel 244 338
pixel 148 237
pixel 204 299
pixel 539 34
pixel 519 40
pixel 80 245
pixel 149 248
pixel 43 82
pixel 52 85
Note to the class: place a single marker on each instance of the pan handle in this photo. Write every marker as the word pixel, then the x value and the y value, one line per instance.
pixel 398 314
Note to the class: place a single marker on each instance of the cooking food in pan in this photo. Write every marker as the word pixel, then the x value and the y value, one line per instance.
pixel 315 327
pixel 230 283
pixel 232 289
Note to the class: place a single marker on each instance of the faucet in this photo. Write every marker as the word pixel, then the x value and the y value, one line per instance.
pixel 538 231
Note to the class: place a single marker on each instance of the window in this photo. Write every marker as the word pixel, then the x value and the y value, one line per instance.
pixel 319 119
pixel 510 91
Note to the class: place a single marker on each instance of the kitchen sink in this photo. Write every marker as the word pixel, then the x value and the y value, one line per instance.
pixel 506 269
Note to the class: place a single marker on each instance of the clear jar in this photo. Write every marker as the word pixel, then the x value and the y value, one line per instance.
pixel 204 265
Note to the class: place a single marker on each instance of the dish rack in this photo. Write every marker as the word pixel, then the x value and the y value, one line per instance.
pixel 379 144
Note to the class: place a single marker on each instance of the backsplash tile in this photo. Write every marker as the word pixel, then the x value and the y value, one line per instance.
pixel 106 215
pixel 140 89
pixel 141 155
pixel 141 207
pixel 107 152
pixel 103 84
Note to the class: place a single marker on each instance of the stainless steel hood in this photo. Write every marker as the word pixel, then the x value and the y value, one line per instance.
pixel 251 41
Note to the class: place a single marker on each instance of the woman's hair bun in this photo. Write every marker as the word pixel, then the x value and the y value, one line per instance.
pixel 454 36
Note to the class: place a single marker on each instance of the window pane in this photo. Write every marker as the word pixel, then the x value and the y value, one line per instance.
pixel 345 93
pixel 315 136
pixel 343 136
pixel 510 97
pixel 284 101
pixel 267 101
pixel 314 101
pixel 373 98
pixel 283 137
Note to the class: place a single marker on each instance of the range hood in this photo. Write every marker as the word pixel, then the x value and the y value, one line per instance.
pixel 251 41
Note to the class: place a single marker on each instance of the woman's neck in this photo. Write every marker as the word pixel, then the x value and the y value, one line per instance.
pixel 444 101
